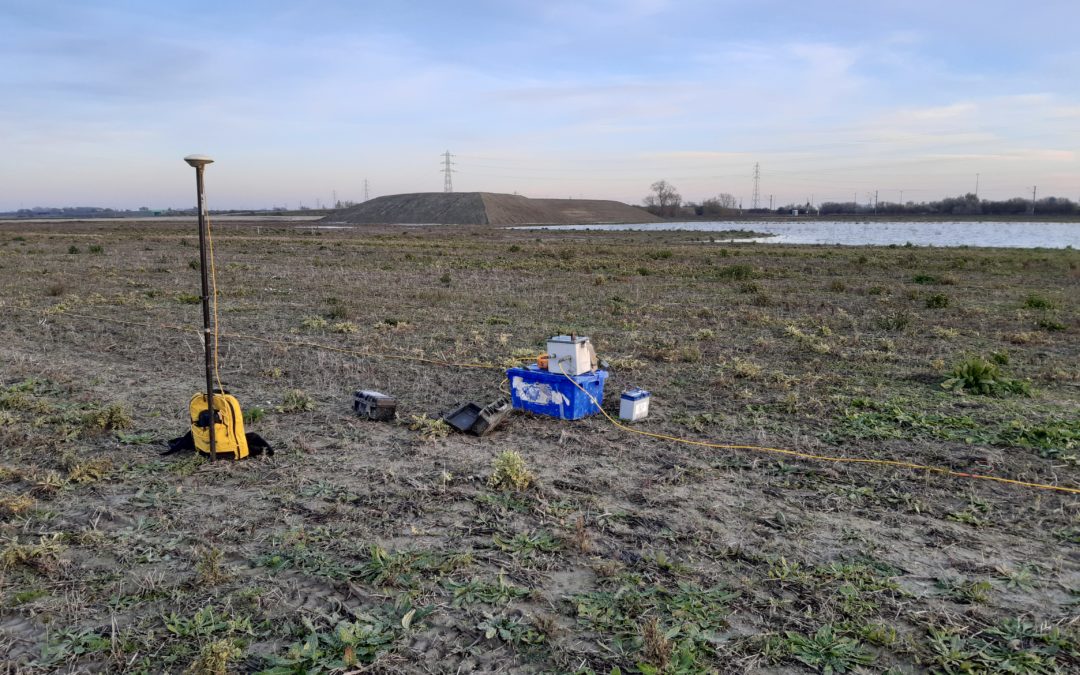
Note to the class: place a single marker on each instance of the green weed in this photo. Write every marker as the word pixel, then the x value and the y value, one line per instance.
pixel 209 567
pixel 114 417
pixel 740 272
pixel 254 414
pixel 979 376
pixel 937 301
pixel 44 556
pixel 1012 646
pixel 528 543
pixel 966 591
pixel 314 323
pixel 214 658
pixel 1036 301
pixel 476 591
pixel 344 327
pixel 90 472
pixel 827 652
pixel 296 401
pixel 429 429
pixel 695 615
pixel 512 630
pixel 66 645
pixel 509 472
pixel 1050 324
pixel 895 321
pixel 348 645
pixel 1052 439
pixel 14 505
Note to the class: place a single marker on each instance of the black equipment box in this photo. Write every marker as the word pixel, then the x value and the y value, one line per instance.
pixel 374 405
pixel 471 418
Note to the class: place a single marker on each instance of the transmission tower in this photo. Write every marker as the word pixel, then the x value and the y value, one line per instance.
pixel 366 195
pixel 757 185
pixel 448 180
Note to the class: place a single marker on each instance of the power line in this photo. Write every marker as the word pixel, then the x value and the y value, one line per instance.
pixel 448 181
pixel 366 195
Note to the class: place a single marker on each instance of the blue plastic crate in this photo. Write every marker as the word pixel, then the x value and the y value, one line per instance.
pixel 553 394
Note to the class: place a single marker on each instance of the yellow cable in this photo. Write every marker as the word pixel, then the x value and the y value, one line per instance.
pixel 820 458
pixel 213 295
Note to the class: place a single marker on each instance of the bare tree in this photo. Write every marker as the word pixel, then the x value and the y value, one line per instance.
pixel 664 200
pixel 714 206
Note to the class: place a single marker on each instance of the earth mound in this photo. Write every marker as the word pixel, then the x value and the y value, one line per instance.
pixel 487 208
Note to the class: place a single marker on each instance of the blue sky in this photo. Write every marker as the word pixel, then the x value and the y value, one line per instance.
pixel 100 100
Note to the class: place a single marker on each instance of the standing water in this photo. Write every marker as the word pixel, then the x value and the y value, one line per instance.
pixel 881 233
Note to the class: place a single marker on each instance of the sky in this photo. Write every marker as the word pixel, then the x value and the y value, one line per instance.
pixel 302 101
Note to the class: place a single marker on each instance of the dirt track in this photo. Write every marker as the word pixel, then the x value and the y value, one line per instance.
pixel 625 551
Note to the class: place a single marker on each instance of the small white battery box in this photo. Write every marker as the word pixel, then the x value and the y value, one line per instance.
pixel 634 405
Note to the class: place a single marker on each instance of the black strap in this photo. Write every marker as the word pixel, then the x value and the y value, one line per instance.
pixel 185 443
pixel 257 445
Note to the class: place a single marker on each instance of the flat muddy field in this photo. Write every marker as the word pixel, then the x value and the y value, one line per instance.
pixel 387 547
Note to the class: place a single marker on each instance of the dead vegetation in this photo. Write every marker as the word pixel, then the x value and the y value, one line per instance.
pixel 545 546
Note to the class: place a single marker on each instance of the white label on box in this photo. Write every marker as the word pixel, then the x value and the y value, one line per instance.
pixel 538 392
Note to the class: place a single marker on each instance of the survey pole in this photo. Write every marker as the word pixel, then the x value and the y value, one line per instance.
pixel 200 162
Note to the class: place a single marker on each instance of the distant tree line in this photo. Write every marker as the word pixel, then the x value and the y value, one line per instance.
pixel 83 212
pixel 967 205
pixel 665 200
pixel 78 212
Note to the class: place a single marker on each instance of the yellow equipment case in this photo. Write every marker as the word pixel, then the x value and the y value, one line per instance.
pixel 229 437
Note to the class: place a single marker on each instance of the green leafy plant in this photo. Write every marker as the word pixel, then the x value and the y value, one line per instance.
pixel 827 652
pixel 114 417
pixel 296 401
pixel 347 645
pixel 513 630
pixel 740 272
pixel 314 323
pixel 528 543
pixel 254 414
pixel 967 591
pixel 937 301
pixel 979 376
pixel 1036 301
pixel 895 321
pixel 508 471
pixel 476 591
pixel 430 429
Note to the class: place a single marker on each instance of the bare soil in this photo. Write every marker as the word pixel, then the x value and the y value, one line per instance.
pixel 386 548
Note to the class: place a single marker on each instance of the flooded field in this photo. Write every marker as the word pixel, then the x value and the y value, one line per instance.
pixel 995 234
